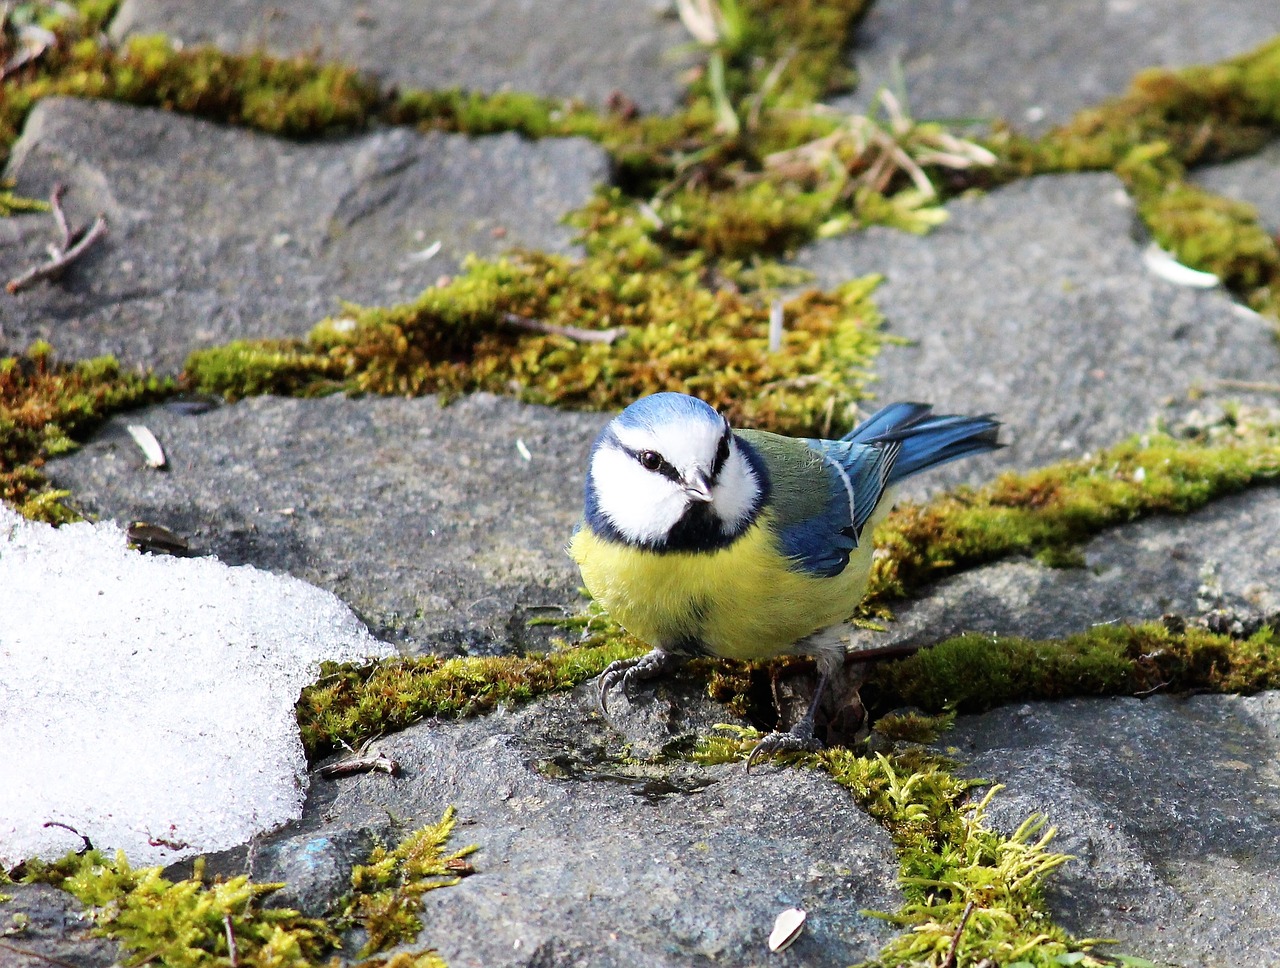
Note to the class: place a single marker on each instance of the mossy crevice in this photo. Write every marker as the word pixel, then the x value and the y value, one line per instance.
pixel 959 876
pixel 670 333
pixel 975 672
pixel 1049 511
pixel 45 407
pixel 194 923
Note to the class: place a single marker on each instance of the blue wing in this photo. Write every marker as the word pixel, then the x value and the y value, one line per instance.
pixel 823 492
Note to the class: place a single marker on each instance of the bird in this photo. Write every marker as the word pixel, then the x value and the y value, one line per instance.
pixel 702 540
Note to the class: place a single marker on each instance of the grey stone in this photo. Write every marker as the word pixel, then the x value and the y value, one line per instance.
pixel 1034 303
pixel 1255 180
pixel 315 869
pixel 1171 807
pixel 588 859
pixel 425 519
pixel 56 931
pixel 584 49
pixel 218 233
pixel 1224 558
pixel 1037 63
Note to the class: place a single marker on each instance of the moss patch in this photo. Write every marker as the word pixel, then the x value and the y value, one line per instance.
pixel 45 407
pixel 349 704
pixel 1051 509
pixel 674 334
pixel 195 923
pixel 973 673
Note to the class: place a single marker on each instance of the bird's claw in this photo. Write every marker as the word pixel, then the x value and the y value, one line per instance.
pixel 798 740
pixel 624 672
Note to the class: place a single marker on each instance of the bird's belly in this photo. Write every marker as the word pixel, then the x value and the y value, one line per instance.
pixel 742 602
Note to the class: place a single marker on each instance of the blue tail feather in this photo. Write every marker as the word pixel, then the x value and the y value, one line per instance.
pixel 927 440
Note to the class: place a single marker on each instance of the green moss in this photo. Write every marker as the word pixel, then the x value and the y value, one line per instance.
pixel 1057 507
pixel 288 96
pixel 192 923
pixel 675 335
pixel 185 924
pixel 11 204
pixel 45 407
pixel 246 368
pixel 349 704
pixel 973 673
pixel 948 858
pixel 387 891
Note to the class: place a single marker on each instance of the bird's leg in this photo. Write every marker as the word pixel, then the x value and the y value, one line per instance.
pixel 800 738
pixel 627 671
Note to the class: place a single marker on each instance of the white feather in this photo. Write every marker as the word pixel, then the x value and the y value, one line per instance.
pixel 645 505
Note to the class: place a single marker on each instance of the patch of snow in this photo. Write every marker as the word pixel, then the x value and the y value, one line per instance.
pixel 147 698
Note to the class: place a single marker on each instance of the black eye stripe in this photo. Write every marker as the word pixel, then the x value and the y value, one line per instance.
pixel 645 458
pixel 722 454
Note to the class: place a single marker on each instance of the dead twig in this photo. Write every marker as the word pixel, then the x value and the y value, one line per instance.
pixel 60 256
pixel 37 955
pixel 1249 386
pixel 88 844
pixel 955 938
pixel 368 759
pixel 233 952
pixel 606 336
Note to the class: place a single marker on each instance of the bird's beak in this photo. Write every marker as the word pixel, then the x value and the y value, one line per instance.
pixel 698 489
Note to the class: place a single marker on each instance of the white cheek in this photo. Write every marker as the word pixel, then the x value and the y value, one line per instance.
pixel 642 505
pixel 736 492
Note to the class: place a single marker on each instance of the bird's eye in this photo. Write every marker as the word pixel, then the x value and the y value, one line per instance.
pixel 650 460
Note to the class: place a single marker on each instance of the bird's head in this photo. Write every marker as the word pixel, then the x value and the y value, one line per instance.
pixel 669 474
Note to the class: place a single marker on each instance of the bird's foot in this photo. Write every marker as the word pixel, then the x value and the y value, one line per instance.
pixel 799 739
pixel 625 672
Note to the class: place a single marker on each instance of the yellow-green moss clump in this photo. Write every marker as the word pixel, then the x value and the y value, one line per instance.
pixel 523 327
pixel 973 673
pixel 195 923
pixel 349 704
pixel 45 406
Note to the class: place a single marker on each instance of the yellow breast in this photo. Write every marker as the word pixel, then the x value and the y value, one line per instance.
pixel 745 601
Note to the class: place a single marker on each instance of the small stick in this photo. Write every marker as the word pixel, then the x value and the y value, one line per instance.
pixel 605 336
pixel 88 844
pixel 55 266
pixel 59 216
pixel 777 317
pixel 1251 386
pixel 885 652
pixel 233 952
pixel 29 953
pixel 955 938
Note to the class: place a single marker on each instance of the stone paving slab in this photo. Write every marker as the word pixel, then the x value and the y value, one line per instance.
pixel 425 519
pixel 1036 62
pixel 1170 805
pixel 57 931
pixel 584 49
pixel 218 233
pixel 1255 180
pixel 1223 558
pixel 583 863
pixel 1034 303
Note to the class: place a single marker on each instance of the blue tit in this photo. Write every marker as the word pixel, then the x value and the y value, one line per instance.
pixel 702 540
